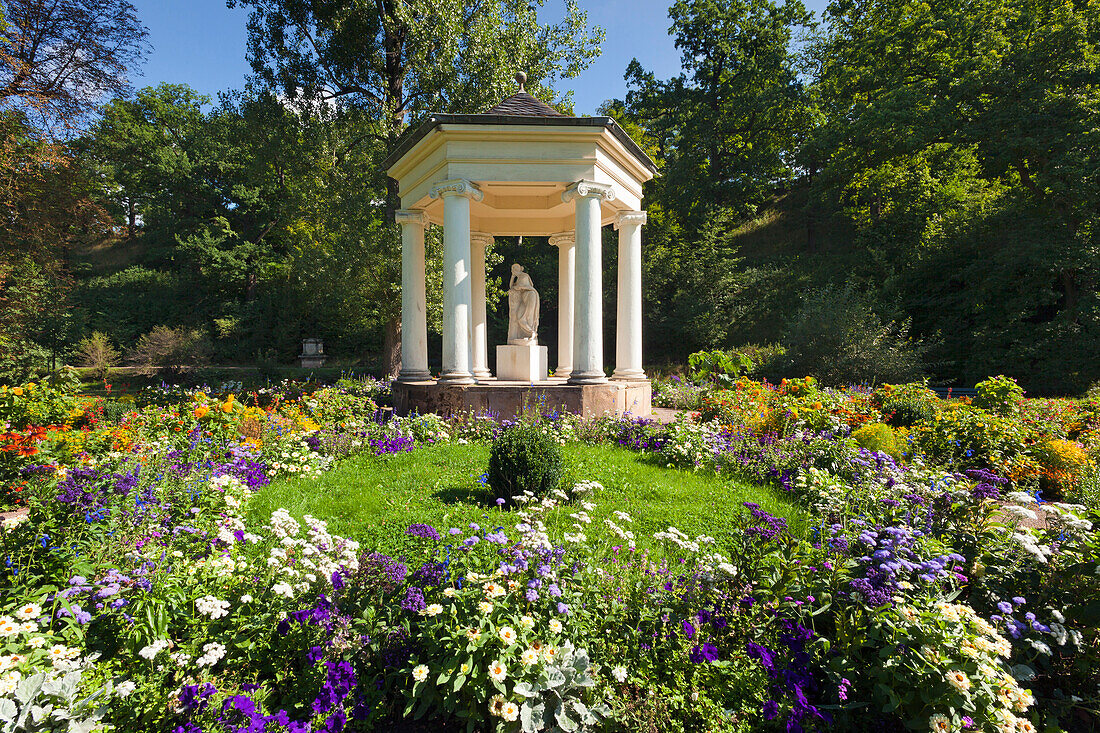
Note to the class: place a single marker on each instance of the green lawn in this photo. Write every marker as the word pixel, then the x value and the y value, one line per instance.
pixel 373 499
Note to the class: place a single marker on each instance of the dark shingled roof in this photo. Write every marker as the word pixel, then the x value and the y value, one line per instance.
pixel 523 104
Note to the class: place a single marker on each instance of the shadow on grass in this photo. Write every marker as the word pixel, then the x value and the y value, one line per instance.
pixel 477 495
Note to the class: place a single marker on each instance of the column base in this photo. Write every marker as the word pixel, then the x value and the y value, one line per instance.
pixel 482 374
pixel 629 375
pixel 456 378
pixel 563 372
pixel 414 375
pixel 583 378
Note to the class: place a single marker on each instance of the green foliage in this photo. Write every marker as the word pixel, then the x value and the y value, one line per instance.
pixel 555 702
pixel 719 366
pixel 836 337
pixel 727 123
pixel 905 412
pixel 964 436
pixel 97 353
pixel 876 436
pixel 524 458
pixel 999 395
pixel 172 350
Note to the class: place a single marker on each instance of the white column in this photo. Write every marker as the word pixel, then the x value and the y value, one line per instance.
pixel 414 318
pixel 479 344
pixel 628 326
pixel 567 257
pixel 456 195
pixel 588 296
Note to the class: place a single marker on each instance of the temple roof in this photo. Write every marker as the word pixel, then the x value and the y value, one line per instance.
pixel 522 104
pixel 519 109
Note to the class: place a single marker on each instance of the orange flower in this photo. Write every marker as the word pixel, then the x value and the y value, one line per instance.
pixel 200 412
pixel 227 406
pixel 17 391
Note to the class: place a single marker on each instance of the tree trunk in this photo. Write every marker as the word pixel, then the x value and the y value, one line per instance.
pixel 391 349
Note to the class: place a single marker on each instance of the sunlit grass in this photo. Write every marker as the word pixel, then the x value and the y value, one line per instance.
pixel 373 499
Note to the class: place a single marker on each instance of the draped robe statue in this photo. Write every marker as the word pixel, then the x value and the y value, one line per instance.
pixel 523 308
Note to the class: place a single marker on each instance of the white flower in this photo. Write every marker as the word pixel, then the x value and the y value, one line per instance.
pixel 420 672
pixel 619 673
pixel 28 611
pixel 283 589
pixel 8 628
pixel 210 606
pixel 37 642
pixel 497 671
pixel 123 689
pixel 529 657
pixel 507 635
pixel 58 651
pixel 449 592
pixel 211 654
pixel 151 651
pixel 9 682
pixel 433 610
pixel 509 711
pixel 527 622
pixel 555 626
pixel 246 598
pixel 485 607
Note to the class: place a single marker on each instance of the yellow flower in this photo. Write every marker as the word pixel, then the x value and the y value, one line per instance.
pixel 17 391
pixel 201 412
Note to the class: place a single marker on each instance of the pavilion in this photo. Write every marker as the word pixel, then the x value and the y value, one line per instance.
pixel 521 169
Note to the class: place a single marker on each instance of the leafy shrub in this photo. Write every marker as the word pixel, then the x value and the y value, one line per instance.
pixel 878 437
pixel 1000 395
pixel 838 338
pixel 524 458
pixel 964 436
pixel 905 412
pixel 718 366
pixel 170 349
pixel 97 353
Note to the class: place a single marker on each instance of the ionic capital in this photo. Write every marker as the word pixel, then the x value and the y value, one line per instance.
pixel 566 239
pixel 481 239
pixel 628 218
pixel 411 216
pixel 456 187
pixel 589 189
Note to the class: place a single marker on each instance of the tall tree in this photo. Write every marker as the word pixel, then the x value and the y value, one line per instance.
pixel 727 126
pixel 59 58
pixel 389 62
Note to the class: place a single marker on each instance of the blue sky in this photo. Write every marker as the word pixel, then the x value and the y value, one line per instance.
pixel 202 43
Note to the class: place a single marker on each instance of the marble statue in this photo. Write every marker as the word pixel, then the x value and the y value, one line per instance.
pixel 523 308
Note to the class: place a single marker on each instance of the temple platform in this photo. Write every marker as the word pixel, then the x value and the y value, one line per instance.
pixel 507 399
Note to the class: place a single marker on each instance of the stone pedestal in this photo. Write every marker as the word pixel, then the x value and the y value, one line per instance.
pixel 521 363
pixel 505 400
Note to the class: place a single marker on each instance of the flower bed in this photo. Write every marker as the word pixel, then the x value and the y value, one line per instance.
pixel 140 594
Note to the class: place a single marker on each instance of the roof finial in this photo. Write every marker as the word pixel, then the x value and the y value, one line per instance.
pixel 521 79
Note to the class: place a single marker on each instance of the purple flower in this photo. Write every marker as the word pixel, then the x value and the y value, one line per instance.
pixel 532 595
pixel 770 710
pixel 563 608
pixel 315 654
pixel 689 630
pixel 414 599
pixel 1004 607
pixel 424 531
pixel 1018 600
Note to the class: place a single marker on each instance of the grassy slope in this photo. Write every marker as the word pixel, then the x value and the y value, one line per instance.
pixel 374 499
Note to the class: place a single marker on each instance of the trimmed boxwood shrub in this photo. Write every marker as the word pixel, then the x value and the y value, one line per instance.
pixel 523 458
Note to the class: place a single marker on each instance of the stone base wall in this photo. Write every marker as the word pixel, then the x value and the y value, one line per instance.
pixel 508 400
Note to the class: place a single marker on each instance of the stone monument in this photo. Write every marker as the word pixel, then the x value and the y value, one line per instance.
pixel 313 354
pixel 522 359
